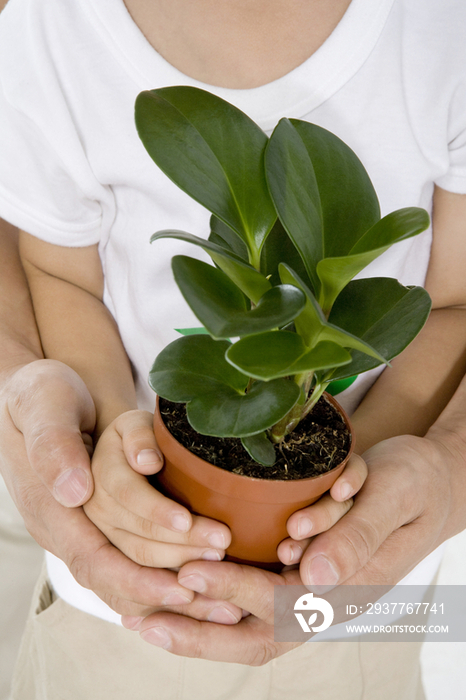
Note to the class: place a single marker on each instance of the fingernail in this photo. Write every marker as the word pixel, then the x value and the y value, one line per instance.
pixel 180 522
pixel 222 616
pixel 176 598
pixel 71 487
pixel 216 539
pixel 194 582
pixel 322 575
pixel 157 636
pixel 211 555
pixel 131 623
pixel 304 527
pixel 147 457
pixel 345 491
pixel 295 553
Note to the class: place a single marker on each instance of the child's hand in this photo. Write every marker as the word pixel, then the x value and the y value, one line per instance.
pixel 323 514
pixel 149 528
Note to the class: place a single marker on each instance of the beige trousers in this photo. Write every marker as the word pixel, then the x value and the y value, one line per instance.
pixel 69 655
pixel 21 560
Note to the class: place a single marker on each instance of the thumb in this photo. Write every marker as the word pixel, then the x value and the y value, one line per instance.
pixel 139 443
pixel 52 408
pixel 390 498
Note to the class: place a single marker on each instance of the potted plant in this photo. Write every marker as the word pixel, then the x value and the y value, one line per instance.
pixel 294 219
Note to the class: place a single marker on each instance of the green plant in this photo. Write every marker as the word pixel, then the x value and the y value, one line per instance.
pixel 294 218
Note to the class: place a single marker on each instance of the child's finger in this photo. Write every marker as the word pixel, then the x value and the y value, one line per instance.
pixel 133 493
pixel 140 509
pixel 318 517
pixel 148 552
pixel 290 551
pixel 139 443
pixel 310 521
pixel 350 480
pixel 124 498
pixel 118 488
pixel 143 510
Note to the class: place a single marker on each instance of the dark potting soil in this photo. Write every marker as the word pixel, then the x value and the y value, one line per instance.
pixel 319 443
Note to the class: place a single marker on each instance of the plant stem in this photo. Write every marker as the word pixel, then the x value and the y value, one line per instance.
pixel 308 384
pixel 304 380
pixel 287 424
pixel 319 389
pixel 299 411
pixel 254 258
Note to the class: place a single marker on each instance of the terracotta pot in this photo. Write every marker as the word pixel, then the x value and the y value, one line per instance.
pixel 256 510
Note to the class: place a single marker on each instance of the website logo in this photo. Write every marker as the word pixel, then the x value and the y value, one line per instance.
pixel 313 605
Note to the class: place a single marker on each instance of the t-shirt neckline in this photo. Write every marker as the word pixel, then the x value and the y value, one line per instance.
pixel 297 93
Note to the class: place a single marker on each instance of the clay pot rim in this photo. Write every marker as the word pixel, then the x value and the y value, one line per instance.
pixel 229 483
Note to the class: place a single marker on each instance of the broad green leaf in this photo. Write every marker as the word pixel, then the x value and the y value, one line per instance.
pixel 250 281
pixel 393 228
pixel 207 245
pixel 227 414
pixel 192 365
pixel 213 152
pixel 221 307
pixel 279 248
pixel 292 183
pixel 193 370
pixel 282 354
pixel 347 340
pixel 311 321
pixel 312 325
pixel 260 448
pixel 335 273
pixel 348 199
pixel 389 316
pixel 322 193
pixel 225 237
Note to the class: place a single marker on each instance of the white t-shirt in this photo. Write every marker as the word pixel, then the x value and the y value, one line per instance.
pixel 390 81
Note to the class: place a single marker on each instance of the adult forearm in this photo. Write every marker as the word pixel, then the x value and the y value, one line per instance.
pixel 46 415
pixel 75 326
pixel 77 329
pixel 407 399
pixel 19 338
pixel 410 395
pixel 448 436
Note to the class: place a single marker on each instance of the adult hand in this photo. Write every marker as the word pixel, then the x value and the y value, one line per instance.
pixel 322 515
pixel 49 416
pixel 411 502
pixel 46 419
pixel 404 511
pixel 250 642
